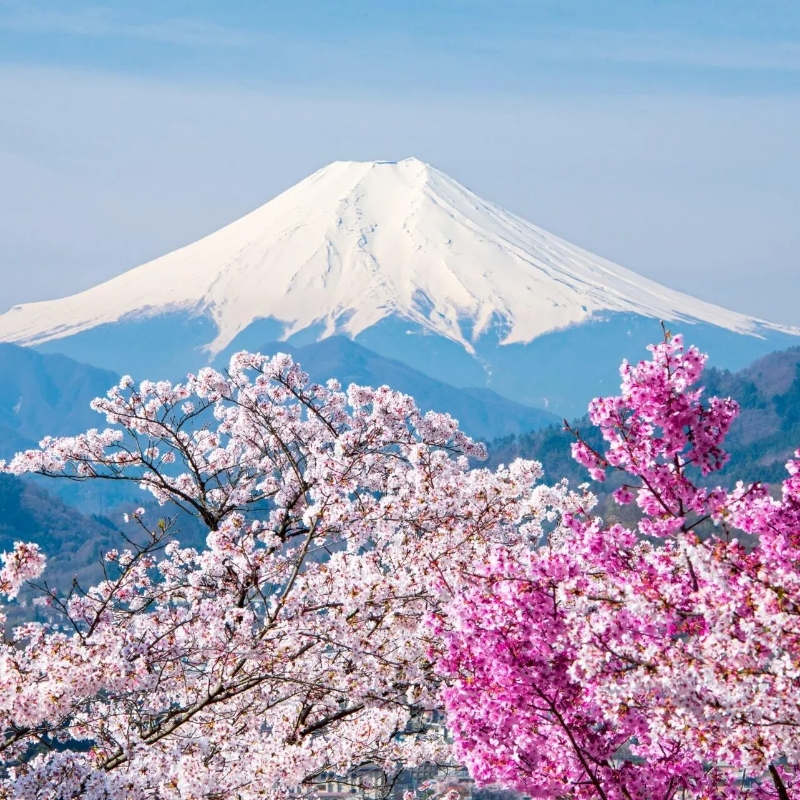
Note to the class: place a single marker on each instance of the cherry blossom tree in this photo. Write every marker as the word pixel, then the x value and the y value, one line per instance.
pixel 296 643
pixel 653 663
pixel 358 574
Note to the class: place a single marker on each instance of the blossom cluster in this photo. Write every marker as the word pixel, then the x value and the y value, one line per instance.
pixel 24 563
pixel 296 643
pixel 649 663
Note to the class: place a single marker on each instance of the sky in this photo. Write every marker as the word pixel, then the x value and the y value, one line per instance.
pixel 662 135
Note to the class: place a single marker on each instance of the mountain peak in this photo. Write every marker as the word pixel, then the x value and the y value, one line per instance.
pixel 357 242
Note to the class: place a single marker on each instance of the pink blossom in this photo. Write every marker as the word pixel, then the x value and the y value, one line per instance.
pixel 639 664
pixel 24 563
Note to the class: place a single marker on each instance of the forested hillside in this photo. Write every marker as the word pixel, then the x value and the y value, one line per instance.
pixel 761 440
pixel 45 394
pixel 73 542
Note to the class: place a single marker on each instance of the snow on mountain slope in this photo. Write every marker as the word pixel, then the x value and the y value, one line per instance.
pixel 357 242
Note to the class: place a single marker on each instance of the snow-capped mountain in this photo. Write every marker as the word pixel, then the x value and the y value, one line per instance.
pixel 394 254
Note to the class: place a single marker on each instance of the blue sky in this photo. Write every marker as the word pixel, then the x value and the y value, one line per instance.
pixel 662 135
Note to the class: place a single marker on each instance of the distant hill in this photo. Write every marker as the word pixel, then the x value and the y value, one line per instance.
pixel 72 541
pixel 46 394
pixel 761 440
pixel 54 392
pixel 774 373
pixel 482 413
pixel 49 394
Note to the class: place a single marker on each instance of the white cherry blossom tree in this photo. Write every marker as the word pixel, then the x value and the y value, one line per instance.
pixel 297 642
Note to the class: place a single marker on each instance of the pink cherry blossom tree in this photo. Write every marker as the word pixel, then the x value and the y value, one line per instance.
pixel 654 663
pixel 296 643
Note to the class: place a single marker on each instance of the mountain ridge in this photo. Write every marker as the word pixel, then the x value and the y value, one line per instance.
pixel 404 260
pixel 44 394
pixel 357 242
pixel 482 413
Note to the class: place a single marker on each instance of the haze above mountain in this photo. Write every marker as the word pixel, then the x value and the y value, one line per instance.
pixel 409 263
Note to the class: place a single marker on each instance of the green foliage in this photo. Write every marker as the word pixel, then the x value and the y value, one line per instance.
pixel 788 405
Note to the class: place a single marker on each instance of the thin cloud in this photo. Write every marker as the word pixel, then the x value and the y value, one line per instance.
pixel 670 49
pixel 100 22
pixel 394 50
pixel 645 48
